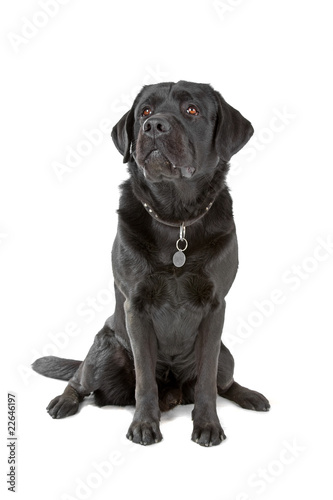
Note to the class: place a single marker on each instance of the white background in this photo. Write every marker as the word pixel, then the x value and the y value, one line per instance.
pixel 84 64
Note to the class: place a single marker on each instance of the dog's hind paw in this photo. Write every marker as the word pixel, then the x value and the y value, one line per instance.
pixel 63 406
pixel 246 398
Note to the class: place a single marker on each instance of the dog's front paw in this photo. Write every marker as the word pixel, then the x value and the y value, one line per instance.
pixel 63 406
pixel 144 432
pixel 208 433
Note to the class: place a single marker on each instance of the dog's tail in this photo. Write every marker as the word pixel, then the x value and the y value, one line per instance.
pixel 53 367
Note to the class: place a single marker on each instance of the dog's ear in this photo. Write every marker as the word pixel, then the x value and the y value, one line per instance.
pixel 232 130
pixel 122 134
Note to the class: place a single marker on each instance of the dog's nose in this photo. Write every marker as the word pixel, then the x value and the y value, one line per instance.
pixel 156 126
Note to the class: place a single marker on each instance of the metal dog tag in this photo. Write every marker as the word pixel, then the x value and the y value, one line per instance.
pixel 179 259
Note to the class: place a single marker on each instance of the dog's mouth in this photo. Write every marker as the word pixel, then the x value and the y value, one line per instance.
pixel 156 166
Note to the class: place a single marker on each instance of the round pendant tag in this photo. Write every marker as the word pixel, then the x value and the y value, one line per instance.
pixel 179 259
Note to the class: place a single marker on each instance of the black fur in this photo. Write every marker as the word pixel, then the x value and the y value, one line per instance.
pixel 162 346
pixel 53 367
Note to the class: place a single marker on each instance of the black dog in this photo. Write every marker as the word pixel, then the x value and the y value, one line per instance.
pixel 174 260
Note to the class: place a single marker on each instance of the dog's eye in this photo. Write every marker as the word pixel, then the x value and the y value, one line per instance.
pixel 147 111
pixel 192 110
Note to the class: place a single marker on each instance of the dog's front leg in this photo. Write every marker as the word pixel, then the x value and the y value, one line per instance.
pixel 145 427
pixel 207 430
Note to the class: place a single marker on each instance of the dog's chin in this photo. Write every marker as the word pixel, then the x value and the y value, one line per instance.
pixel 157 167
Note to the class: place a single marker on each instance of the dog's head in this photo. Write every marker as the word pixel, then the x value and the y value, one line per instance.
pixel 179 130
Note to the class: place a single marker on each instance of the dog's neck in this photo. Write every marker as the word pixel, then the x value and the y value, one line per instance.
pixel 183 200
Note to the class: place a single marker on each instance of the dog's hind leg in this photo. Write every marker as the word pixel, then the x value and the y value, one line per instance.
pixel 225 369
pixel 229 389
pixel 246 398
pixel 107 371
pixel 79 386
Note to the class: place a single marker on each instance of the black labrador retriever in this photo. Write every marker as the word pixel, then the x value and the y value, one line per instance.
pixel 174 260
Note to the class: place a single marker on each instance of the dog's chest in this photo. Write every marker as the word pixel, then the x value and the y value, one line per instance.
pixel 175 304
pixel 167 290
